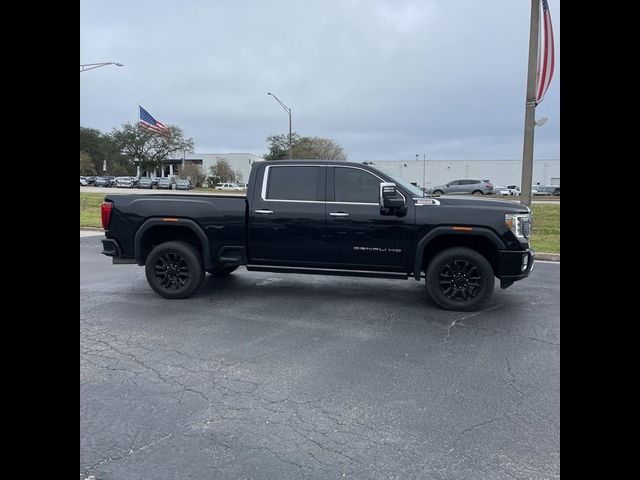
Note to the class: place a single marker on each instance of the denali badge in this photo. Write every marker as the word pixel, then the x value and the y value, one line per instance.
pixel 378 249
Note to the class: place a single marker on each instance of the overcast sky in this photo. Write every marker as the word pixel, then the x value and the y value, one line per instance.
pixel 386 79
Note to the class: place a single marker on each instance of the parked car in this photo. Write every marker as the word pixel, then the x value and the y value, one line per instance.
pixel 124 182
pixel 367 223
pixel 501 191
pixel 145 182
pixel 184 185
pixel 473 187
pixel 229 186
pixel 106 181
pixel 90 180
pixel 83 182
pixel 166 183
pixel 548 191
pixel 513 190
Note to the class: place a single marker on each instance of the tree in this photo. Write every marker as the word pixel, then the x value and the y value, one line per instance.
pixel 147 149
pixel 100 147
pixel 194 172
pixel 279 146
pixel 87 167
pixel 223 171
pixel 316 148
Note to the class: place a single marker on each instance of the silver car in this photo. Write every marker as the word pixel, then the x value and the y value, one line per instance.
pixel 124 182
pixel 473 187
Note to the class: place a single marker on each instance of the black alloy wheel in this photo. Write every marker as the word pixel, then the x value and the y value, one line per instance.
pixel 459 278
pixel 174 269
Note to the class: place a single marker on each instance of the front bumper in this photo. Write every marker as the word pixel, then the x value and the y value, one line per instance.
pixel 515 265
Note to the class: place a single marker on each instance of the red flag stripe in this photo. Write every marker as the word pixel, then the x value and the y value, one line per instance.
pixel 547 58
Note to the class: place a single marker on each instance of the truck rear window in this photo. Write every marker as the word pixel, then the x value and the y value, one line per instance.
pixel 292 183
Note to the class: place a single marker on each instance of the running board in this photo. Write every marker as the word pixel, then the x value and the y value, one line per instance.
pixel 327 271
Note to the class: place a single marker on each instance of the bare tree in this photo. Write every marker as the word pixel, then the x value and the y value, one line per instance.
pixel 318 148
pixel 193 171
pixel 223 171
pixel 149 149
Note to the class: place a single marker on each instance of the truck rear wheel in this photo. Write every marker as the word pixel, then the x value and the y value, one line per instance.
pixel 174 269
pixel 459 278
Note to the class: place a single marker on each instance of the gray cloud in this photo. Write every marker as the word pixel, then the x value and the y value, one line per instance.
pixel 385 79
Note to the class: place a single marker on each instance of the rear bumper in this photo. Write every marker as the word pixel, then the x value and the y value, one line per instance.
pixel 515 265
pixel 110 247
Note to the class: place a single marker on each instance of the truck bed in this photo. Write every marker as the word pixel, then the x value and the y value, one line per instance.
pixel 221 217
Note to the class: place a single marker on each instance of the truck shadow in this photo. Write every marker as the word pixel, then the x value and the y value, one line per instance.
pixel 296 293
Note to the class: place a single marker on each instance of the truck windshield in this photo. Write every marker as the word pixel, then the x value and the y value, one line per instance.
pixel 415 191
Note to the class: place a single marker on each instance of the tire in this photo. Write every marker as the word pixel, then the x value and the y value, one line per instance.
pixel 174 269
pixel 477 192
pixel 437 193
pixel 459 278
pixel 221 271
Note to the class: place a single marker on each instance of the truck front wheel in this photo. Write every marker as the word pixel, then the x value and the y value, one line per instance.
pixel 174 269
pixel 459 278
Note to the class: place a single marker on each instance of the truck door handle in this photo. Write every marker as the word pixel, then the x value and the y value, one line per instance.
pixel 264 212
pixel 339 214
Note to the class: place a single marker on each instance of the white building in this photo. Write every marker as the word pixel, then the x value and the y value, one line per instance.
pixel 435 172
pixel 238 161
pixel 499 172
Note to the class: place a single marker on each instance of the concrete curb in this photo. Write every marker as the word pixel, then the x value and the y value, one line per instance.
pixel 550 257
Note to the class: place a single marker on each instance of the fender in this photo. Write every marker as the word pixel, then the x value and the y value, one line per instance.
pixel 448 230
pixel 179 222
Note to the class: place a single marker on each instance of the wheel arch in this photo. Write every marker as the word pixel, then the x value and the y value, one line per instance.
pixel 156 230
pixel 480 239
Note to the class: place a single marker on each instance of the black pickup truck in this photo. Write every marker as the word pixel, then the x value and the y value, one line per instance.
pixel 323 218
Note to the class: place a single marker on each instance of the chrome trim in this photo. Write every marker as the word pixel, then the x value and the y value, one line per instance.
pixel 263 194
pixel 428 201
pixel 351 203
pixel 339 214
pixel 264 212
pixel 265 176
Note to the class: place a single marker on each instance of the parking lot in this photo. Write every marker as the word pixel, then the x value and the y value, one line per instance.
pixel 264 376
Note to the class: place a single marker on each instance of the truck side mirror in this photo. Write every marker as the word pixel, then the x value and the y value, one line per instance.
pixel 389 196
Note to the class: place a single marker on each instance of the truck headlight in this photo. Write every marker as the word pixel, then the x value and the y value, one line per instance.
pixel 520 224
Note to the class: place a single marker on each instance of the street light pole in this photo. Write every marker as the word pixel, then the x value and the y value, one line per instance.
pixel 288 110
pixel 530 110
pixel 90 66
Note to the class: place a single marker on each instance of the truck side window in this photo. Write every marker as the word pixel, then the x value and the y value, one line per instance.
pixel 292 183
pixel 356 186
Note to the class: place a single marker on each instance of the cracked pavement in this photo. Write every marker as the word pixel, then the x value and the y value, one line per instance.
pixel 262 376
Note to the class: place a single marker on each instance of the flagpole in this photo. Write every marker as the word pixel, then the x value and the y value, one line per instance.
pixel 530 111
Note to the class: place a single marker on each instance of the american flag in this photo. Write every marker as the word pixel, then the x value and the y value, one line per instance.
pixel 545 57
pixel 149 123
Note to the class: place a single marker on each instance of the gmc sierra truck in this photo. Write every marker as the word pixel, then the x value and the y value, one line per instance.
pixel 323 218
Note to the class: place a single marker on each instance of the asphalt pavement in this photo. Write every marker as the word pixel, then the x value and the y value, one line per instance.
pixel 276 376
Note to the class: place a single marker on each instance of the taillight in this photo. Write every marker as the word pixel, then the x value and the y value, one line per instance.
pixel 105 209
